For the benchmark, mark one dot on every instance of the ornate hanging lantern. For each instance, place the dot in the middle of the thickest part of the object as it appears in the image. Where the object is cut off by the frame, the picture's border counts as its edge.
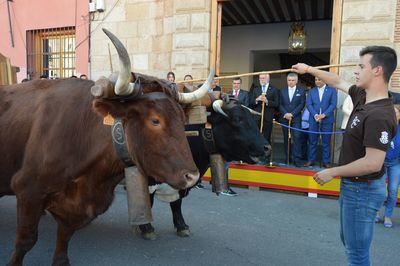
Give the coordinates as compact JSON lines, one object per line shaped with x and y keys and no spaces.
{"x":297,"y":39}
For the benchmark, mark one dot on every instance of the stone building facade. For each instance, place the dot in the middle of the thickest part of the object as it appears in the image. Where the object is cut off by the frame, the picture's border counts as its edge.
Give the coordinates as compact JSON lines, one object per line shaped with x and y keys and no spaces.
{"x":369,"y":22}
{"x":175,"y":35}
{"x":160,"y":36}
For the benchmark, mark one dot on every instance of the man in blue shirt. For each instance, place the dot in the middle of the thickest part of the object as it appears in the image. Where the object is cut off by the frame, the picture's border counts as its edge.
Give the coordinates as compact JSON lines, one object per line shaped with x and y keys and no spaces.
{"x":321,"y":103}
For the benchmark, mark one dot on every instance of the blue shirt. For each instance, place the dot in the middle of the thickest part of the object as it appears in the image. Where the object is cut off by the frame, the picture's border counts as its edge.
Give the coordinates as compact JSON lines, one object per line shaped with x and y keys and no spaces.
{"x":394,"y":150}
{"x":304,"y":119}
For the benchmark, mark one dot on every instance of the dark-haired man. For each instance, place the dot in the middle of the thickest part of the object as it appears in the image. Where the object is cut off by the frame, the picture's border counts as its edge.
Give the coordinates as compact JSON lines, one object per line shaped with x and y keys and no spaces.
{"x":370,"y":129}
{"x":241,"y":95}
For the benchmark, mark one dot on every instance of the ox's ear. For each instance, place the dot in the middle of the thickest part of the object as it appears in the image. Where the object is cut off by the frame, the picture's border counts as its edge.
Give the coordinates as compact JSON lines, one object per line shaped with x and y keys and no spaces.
{"x":114,"y":108}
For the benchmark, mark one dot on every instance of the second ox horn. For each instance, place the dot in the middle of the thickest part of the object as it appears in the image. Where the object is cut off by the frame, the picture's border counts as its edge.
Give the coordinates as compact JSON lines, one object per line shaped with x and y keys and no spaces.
{"x":189,"y":97}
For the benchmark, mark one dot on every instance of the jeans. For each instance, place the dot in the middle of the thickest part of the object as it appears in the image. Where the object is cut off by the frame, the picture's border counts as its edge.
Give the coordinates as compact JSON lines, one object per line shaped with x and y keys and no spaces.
{"x":393,"y":174}
{"x":359,"y":202}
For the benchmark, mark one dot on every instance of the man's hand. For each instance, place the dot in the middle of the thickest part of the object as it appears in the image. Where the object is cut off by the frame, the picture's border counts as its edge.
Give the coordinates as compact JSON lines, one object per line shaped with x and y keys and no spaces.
{"x":323,"y":176}
{"x":300,"y":68}
{"x":262,"y":98}
{"x":288,"y":116}
{"x":319,"y":118}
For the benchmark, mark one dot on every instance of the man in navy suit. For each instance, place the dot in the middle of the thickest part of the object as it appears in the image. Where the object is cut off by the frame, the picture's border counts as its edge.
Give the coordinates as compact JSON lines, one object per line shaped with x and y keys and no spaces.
{"x":291,"y":102}
{"x":241,"y":95}
{"x":321,"y":103}
{"x":268,"y":95}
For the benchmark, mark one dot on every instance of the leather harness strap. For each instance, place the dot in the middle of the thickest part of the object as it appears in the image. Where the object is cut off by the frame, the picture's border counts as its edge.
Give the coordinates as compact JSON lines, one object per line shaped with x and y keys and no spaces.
{"x":208,"y":139}
{"x":118,"y":139}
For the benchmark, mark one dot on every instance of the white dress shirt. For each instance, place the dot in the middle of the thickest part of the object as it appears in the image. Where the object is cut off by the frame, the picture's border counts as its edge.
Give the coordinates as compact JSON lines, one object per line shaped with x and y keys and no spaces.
{"x":264,"y":88}
{"x":291,"y":92}
{"x":321,"y":92}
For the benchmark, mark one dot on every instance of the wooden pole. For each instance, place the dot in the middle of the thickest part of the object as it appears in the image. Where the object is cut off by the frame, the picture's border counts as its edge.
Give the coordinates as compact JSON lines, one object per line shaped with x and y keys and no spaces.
{"x":10,"y":24}
{"x":262,"y":114}
{"x":288,"y":144}
{"x":269,"y":72}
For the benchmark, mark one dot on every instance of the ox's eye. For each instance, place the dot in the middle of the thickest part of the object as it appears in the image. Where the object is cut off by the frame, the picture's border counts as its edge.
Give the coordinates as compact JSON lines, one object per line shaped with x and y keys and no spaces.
{"x":155,"y":121}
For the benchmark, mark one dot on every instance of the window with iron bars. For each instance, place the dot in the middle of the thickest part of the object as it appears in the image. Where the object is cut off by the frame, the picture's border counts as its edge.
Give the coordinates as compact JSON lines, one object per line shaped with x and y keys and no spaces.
{"x":51,"y":52}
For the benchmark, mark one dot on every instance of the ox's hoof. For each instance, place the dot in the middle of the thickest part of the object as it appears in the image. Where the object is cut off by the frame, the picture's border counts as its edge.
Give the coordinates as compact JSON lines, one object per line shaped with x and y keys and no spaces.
{"x":183,"y":232}
{"x":146,"y":235}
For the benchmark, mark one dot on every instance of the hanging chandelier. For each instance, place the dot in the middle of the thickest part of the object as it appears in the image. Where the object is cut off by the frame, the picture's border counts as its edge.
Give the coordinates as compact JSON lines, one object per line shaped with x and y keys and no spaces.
{"x":297,"y":39}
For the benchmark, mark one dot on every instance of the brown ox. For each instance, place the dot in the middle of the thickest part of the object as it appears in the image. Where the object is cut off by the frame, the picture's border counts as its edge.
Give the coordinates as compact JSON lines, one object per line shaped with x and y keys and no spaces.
{"x":57,"y":155}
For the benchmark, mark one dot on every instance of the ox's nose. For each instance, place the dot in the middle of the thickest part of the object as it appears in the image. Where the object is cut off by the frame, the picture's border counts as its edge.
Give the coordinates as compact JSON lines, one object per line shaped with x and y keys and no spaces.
{"x":191,"y":178}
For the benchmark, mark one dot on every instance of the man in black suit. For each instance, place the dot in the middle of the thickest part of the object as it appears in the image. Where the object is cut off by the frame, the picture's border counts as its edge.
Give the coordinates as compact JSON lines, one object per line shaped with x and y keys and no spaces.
{"x":291,"y":102}
{"x":268,"y":95}
{"x":239,"y":94}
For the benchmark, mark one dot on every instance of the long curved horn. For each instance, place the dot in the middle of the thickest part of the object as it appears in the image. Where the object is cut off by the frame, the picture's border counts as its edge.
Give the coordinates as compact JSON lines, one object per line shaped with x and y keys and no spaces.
{"x":217,"y":106}
{"x":251,"y":110}
{"x":190,"y":97}
{"x":123,"y":85}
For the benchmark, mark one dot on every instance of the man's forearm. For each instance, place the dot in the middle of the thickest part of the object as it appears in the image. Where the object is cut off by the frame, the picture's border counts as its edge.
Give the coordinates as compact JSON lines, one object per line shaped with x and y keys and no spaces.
{"x":357,"y":168}
{"x":328,"y":77}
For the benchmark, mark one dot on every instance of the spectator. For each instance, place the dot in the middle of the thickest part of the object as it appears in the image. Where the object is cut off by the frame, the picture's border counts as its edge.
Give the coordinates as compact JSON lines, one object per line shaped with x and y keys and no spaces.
{"x":171,"y":76}
{"x":83,"y":76}
{"x":239,"y":94}
{"x":392,"y":165}
{"x":304,"y":136}
{"x":321,"y":103}
{"x":291,"y":103}
{"x":44,"y":76}
{"x":269,"y":96}
{"x":73,"y":77}
{"x":24,"y":80}
{"x":189,"y":84}
{"x":215,"y":85}
{"x":229,"y":191}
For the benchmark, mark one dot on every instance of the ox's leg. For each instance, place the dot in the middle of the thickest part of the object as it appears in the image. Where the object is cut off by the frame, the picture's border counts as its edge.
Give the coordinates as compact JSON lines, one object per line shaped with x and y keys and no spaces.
{"x":146,"y":231}
{"x":29,"y":212}
{"x":64,"y":234}
{"x":182,"y":229}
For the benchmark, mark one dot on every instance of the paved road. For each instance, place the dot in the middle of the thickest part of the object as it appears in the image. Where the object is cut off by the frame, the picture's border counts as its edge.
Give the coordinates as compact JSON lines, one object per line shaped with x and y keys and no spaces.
{"x":254,"y":228}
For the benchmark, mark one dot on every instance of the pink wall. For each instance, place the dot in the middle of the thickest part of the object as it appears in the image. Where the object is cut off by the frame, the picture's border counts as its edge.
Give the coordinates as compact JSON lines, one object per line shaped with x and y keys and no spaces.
{"x":43,"y":14}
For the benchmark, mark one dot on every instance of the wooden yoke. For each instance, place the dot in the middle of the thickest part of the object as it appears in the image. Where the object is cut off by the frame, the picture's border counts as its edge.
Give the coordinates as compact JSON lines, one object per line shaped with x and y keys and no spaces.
{"x":104,"y":87}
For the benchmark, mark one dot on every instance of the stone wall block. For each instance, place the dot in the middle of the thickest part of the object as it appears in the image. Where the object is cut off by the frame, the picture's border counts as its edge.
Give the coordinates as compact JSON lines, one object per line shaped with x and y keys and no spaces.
{"x":182,"y":23}
{"x":368,"y":32}
{"x":147,"y":27}
{"x":367,"y":10}
{"x":200,"y":22}
{"x":126,"y":29}
{"x":178,"y":59}
{"x":147,"y":10}
{"x":191,"y":5}
{"x":191,"y":40}
{"x":140,"y":62}
{"x":162,"y":44}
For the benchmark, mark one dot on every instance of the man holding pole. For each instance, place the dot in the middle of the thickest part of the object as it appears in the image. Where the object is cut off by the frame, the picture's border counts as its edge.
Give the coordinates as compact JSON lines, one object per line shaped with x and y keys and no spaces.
{"x":370,"y":129}
{"x":265,"y":101}
{"x":291,"y":102}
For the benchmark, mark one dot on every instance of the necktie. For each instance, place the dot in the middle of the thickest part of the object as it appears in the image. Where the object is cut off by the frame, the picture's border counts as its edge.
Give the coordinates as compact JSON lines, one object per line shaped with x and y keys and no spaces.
{"x":236,"y":93}
{"x":263,"y":88}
